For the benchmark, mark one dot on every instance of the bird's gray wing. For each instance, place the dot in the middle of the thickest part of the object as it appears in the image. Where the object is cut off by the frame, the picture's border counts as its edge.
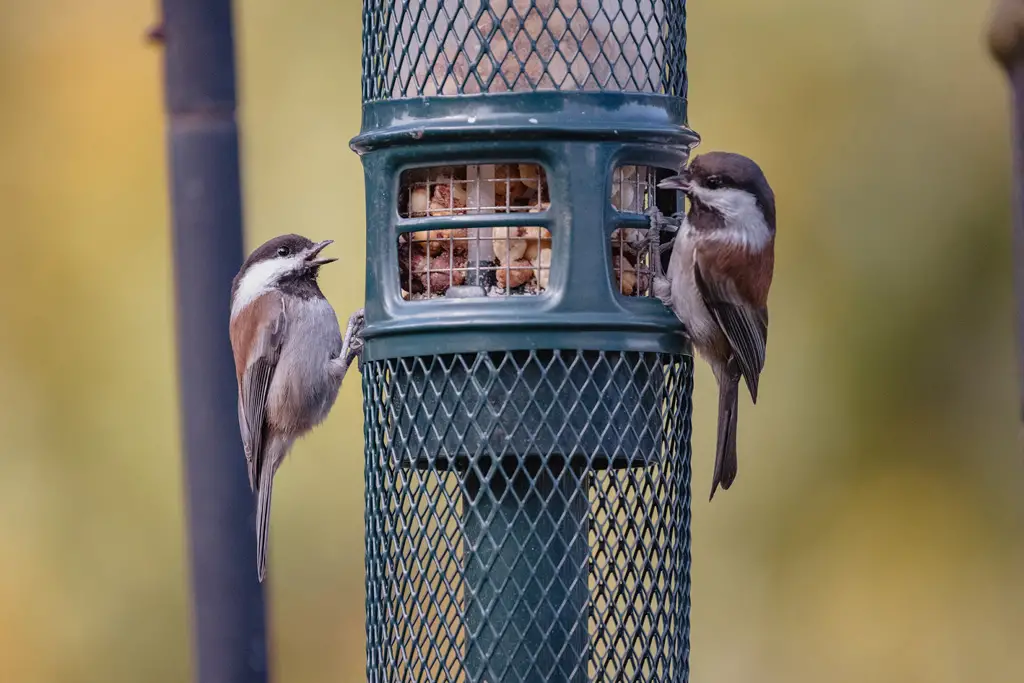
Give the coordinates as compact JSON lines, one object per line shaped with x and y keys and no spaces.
{"x":744,"y":326}
{"x":254,"y":385}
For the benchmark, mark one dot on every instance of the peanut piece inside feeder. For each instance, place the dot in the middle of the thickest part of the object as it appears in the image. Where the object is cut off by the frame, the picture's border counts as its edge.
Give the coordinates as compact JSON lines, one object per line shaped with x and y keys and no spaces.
{"x":507,"y":246}
{"x":630,"y":281}
{"x":411,"y":265}
{"x":529,"y":175}
{"x":633,"y":240}
{"x":626,"y":275}
{"x":624,"y":189}
{"x":444,"y":272}
{"x":449,"y":198}
{"x":517,"y":274}
{"x":543,"y":268}
{"x":454,"y":239}
{"x":536,"y":240}
{"x":427,"y":241}
{"x":419,"y":202}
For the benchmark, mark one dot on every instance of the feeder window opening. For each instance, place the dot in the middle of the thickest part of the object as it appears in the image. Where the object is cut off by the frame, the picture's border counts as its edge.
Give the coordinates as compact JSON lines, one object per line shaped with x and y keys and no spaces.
{"x":633,"y":249}
{"x":495,"y":261}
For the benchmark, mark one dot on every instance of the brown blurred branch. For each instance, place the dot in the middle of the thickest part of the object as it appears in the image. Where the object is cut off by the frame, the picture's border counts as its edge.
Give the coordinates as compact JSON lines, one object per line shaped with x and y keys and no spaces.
{"x":1006,"y":41}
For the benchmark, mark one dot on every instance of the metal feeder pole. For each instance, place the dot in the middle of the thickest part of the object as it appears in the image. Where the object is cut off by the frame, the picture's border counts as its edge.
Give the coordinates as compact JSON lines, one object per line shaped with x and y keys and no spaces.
{"x":227,"y":600}
{"x":526,"y":398}
{"x":1006,"y":41}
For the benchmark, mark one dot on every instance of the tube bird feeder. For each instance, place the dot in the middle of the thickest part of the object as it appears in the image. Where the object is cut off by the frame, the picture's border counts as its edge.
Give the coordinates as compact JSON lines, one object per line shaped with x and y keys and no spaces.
{"x":526,"y":398}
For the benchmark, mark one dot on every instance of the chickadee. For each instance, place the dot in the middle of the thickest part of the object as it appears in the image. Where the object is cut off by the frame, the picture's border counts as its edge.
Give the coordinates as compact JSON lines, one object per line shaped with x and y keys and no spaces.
{"x":290,"y":359}
{"x":718,"y":278}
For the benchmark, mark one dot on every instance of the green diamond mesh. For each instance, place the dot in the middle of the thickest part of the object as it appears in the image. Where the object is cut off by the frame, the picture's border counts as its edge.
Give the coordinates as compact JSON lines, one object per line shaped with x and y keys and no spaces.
{"x":421,"y":48}
{"x":527,"y":517}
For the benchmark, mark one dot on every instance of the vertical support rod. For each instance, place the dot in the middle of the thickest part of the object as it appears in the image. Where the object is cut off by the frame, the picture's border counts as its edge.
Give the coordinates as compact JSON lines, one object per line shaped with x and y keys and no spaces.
{"x":206,"y":206}
{"x":1006,"y":41}
{"x":527,"y":568}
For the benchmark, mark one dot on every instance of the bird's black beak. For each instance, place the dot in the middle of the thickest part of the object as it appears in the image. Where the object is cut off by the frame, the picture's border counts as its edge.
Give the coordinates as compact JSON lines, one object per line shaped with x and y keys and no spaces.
{"x":680,"y":182}
{"x":311,"y":257}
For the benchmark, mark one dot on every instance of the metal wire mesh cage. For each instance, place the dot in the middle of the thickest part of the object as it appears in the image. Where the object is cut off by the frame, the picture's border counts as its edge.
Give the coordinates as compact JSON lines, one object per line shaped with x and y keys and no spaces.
{"x":527,"y":517}
{"x":423,"y":48}
{"x":527,"y":399}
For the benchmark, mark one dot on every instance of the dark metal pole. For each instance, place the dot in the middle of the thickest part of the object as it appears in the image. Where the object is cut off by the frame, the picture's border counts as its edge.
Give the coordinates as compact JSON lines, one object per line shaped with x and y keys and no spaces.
{"x":227,"y":605}
{"x":526,"y":573}
{"x":1006,"y":40}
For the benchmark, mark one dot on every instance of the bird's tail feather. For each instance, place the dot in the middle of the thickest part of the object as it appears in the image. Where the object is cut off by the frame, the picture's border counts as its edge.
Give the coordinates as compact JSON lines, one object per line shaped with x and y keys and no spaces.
{"x":263,"y":518}
{"x":725,"y":453}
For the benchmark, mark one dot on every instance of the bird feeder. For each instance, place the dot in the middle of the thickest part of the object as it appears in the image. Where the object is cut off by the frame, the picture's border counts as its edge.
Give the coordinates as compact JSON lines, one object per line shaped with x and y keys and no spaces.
{"x":526,"y":398}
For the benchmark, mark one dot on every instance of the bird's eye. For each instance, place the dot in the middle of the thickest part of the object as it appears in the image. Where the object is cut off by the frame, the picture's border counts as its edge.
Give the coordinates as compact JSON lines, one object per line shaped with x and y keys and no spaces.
{"x":283,"y":251}
{"x":713,"y":182}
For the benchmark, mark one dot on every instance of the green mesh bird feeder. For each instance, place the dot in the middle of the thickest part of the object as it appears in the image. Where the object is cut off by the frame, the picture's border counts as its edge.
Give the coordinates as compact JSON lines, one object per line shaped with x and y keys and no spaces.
{"x":527,"y":399}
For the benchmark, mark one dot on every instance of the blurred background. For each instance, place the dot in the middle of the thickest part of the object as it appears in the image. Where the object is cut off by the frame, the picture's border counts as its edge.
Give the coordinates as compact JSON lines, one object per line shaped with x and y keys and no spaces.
{"x":875,"y":532}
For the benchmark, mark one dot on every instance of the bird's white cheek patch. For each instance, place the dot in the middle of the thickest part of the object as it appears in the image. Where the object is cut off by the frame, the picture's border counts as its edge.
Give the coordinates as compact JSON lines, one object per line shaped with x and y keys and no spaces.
{"x":745,"y":223}
{"x":260,"y":279}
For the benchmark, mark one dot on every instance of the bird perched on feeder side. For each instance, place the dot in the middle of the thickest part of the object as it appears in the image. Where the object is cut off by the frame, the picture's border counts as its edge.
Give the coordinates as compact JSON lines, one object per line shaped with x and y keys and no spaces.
{"x":290,"y":359}
{"x":718,"y":278}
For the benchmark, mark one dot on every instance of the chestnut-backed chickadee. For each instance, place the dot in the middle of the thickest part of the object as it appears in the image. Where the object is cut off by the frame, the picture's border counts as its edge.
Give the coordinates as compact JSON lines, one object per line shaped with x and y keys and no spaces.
{"x":290,"y":359}
{"x":718,"y":278}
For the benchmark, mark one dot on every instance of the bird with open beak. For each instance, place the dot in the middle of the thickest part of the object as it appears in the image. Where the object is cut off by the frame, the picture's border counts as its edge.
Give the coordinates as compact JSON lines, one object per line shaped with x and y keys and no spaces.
{"x":290,"y":359}
{"x":718,"y":278}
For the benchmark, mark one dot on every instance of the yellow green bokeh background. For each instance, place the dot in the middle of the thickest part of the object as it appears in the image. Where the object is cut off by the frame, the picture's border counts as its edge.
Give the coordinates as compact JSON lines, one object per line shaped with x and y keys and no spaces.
{"x":875,"y":531}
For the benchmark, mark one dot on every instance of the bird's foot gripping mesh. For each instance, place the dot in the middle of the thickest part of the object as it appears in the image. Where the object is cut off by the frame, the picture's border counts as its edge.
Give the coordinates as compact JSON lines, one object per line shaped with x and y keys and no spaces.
{"x":527,"y":517}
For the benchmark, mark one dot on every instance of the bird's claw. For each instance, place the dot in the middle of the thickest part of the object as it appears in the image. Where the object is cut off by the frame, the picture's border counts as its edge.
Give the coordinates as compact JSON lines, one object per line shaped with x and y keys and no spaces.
{"x":353,"y":343}
{"x":355,"y":351}
{"x":356,"y":323}
{"x":662,"y":289}
{"x":654,"y":246}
